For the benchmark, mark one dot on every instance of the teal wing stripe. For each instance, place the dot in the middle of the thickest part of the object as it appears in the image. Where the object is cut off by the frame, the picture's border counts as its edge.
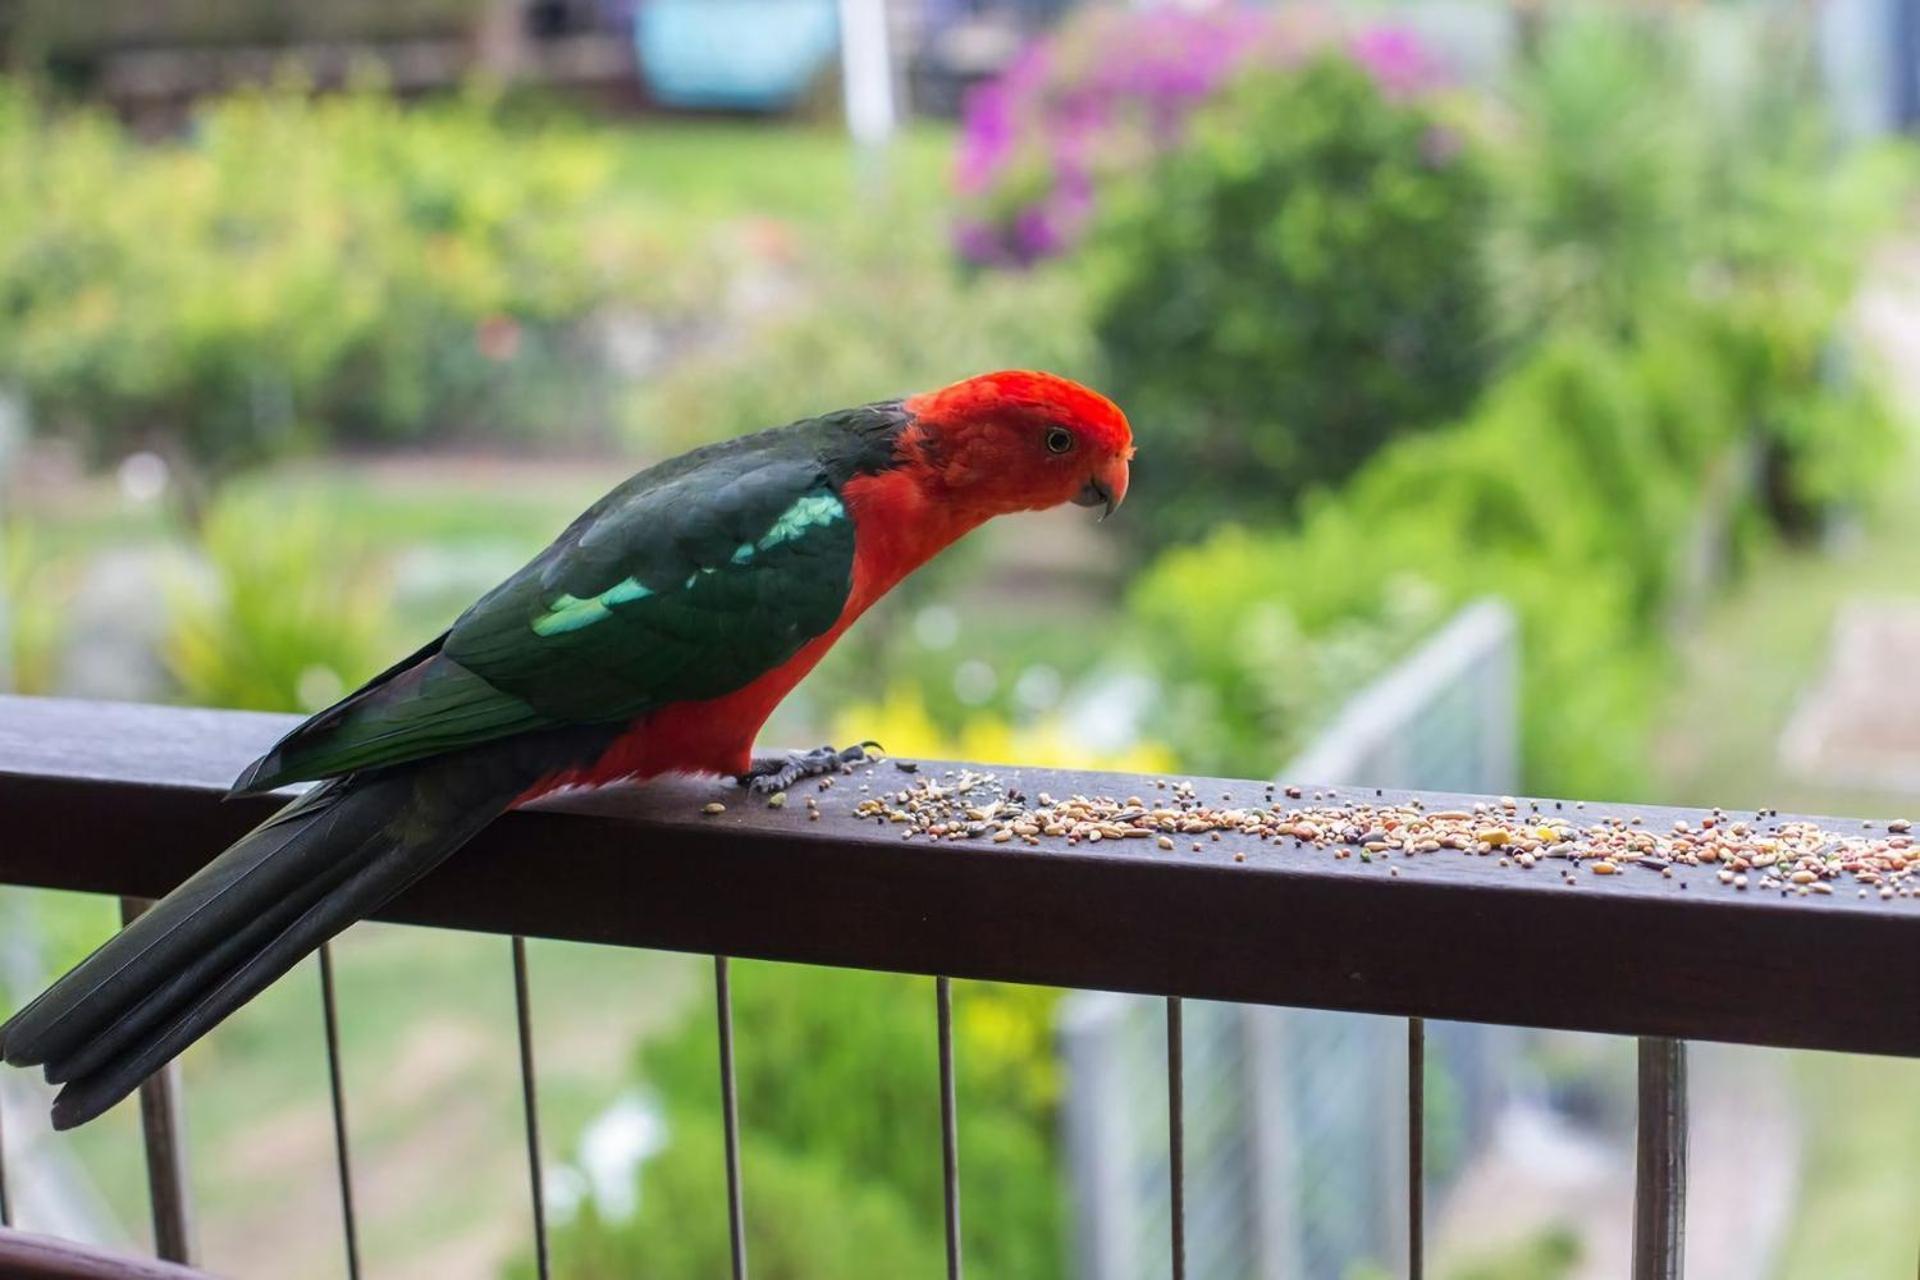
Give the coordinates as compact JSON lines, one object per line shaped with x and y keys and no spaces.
{"x":808,"y":512}
{"x":570,"y":612}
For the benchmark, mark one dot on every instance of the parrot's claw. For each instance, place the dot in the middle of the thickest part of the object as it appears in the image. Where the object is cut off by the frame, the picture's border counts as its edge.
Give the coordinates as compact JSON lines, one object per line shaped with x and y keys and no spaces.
{"x":777,"y":773}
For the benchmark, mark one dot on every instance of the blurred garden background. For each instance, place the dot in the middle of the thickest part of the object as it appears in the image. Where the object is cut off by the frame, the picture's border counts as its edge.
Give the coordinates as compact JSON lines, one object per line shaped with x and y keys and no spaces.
{"x":315,"y":321}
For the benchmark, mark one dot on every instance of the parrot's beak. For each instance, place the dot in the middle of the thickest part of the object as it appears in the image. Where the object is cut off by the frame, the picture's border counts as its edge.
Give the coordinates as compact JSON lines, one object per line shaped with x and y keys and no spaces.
{"x":1106,"y":487}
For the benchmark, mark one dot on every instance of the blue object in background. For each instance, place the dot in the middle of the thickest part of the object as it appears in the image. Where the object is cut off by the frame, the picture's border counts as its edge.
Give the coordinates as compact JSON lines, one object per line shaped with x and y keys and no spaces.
{"x":742,"y":55}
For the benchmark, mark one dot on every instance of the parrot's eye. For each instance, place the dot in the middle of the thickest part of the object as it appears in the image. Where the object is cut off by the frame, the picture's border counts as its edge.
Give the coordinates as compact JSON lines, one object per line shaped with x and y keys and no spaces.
{"x":1059,"y":439}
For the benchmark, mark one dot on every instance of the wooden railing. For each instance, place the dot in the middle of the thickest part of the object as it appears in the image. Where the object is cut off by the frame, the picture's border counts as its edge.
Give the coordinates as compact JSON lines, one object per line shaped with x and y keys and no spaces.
{"x":126,"y":800}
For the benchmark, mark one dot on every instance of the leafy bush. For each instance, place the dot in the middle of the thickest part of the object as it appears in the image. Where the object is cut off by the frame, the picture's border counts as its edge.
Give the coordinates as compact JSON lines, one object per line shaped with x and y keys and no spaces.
{"x":804,"y":1221}
{"x":1106,"y":93}
{"x":1674,"y":269}
{"x":1712,"y":215}
{"x":878,"y":309}
{"x":833,"y":1192}
{"x":1298,"y":283}
{"x":300,"y":270}
{"x":35,"y":589}
{"x":1571,"y":493}
{"x":291,"y":620}
{"x":1603,"y":174}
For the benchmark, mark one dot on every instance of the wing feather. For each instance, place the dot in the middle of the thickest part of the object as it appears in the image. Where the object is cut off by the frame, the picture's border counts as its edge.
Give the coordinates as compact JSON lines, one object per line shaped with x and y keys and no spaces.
{"x":683,"y":584}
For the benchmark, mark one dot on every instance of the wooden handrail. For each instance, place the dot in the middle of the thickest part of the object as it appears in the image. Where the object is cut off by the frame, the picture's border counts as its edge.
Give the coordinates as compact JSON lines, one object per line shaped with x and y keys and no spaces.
{"x":126,"y":799}
{"x":25,"y":1256}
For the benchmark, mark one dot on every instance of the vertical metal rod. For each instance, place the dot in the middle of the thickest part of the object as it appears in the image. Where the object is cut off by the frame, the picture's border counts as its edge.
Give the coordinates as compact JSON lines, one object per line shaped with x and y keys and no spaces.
{"x":1177,"y":1136}
{"x":730,"y":1114}
{"x":1416,"y":1147}
{"x":165,"y":1134}
{"x":6,"y":1208}
{"x":530,"y":1105}
{"x":1660,"y":1166}
{"x":343,"y":1158}
{"x":949,"y":1123}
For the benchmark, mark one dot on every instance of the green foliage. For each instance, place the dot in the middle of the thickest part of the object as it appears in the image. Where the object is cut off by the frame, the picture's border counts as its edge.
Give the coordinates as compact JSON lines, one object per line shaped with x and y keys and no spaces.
{"x":1258,"y":649}
{"x":35,"y":590}
{"x":1296,"y":285}
{"x":838,"y":1066}
{"x":301,"y":270}
{"x":1551,"y":1254}
{"x":290,"y":621}
{"x":1572,"y":493}
{"x":805,"y":1221}
{"x":1644,"y":188}
{"x":1676,"y":263}
{"x":886,"y":313}
{"x":1601,"y":179}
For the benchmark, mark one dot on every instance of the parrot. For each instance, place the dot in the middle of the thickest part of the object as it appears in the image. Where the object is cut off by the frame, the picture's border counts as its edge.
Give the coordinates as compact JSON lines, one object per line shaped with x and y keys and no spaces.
{"x":654,"y":636}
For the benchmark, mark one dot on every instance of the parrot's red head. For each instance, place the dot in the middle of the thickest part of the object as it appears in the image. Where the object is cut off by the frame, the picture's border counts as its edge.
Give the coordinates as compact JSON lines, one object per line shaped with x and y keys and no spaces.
{"x":1020,"y":441}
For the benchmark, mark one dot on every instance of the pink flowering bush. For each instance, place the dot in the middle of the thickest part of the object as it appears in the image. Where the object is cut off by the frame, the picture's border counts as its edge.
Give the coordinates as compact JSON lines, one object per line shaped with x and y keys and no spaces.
{"x":1111,"y":91}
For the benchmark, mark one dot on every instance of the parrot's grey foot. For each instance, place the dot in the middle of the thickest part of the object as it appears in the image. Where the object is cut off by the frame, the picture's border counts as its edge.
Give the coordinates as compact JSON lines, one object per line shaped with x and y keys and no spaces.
{"x":777,"y":773}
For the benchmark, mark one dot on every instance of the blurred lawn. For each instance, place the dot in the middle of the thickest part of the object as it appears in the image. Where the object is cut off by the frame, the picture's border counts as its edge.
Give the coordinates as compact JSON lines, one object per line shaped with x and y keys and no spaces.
{"x":724,"y":169}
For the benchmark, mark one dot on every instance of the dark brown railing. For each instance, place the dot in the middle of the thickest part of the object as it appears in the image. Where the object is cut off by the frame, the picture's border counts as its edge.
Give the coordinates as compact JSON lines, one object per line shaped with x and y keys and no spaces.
{"x":126,"y":800}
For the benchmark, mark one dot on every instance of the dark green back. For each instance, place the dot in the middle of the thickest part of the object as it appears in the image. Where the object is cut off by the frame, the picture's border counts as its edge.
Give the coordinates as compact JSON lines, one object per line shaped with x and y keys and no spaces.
{"x":688,"y":581}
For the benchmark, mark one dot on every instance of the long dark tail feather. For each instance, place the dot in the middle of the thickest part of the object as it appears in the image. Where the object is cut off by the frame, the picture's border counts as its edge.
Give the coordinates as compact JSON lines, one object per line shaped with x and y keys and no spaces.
{"x":299,"y":878}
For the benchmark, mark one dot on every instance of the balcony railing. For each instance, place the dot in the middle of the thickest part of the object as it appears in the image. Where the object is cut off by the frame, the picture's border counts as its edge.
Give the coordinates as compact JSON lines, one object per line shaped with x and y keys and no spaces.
{"x":126,"y":800}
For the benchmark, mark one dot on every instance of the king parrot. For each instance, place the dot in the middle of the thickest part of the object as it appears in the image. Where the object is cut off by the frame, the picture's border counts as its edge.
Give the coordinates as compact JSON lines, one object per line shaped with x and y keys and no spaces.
{"x":655,"y":635}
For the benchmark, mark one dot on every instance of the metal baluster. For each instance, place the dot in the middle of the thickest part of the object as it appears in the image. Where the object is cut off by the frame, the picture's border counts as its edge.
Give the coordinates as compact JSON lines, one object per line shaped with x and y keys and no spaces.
{"x":1177,"y":1136}
{"x":730,"y":1113}
{"x":530,"y":1105}
{"x":949,"y":1123}
{"x":343,"y":1160}
{"x":164,"y":1133}
{"x":1416,"y":1147}
{"x":1660,"y":1167}
{"x":6,"y":1209}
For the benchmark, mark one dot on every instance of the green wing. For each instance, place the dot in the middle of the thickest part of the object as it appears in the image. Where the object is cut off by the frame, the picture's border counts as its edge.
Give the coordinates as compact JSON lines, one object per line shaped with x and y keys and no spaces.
{"x":686,"y":583}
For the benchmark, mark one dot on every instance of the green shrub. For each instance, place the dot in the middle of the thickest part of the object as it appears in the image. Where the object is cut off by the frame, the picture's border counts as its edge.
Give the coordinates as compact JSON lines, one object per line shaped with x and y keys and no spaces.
{"x":1561,"y":495}
{"x":805,"y":1221}
{"x":1602,"y":175}
{"x":303,"y":270}
{"x":887,"y":313}
{"x":35,"y":590}
{"x":1710,"y":217}
{"x":291,"y":620}
{"x":836,"y":1074}
{"x":1297,"y":284}
{"x":1676,"y":267}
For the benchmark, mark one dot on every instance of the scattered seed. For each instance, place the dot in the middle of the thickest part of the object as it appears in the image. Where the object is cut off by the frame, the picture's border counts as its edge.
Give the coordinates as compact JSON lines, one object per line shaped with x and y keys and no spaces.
{"x":713,"y":808}
{"x":1790,"y":856}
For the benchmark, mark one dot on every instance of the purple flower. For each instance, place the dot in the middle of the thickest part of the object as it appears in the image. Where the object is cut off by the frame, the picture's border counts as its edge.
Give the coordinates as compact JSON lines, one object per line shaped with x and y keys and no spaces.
{"x":1109,"y":91}
{"x":1396,"y":60}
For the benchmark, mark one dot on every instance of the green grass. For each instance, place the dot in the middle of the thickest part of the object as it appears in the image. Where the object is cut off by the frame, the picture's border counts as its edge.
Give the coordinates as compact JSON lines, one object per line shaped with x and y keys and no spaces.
{"x":711,"y":170}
